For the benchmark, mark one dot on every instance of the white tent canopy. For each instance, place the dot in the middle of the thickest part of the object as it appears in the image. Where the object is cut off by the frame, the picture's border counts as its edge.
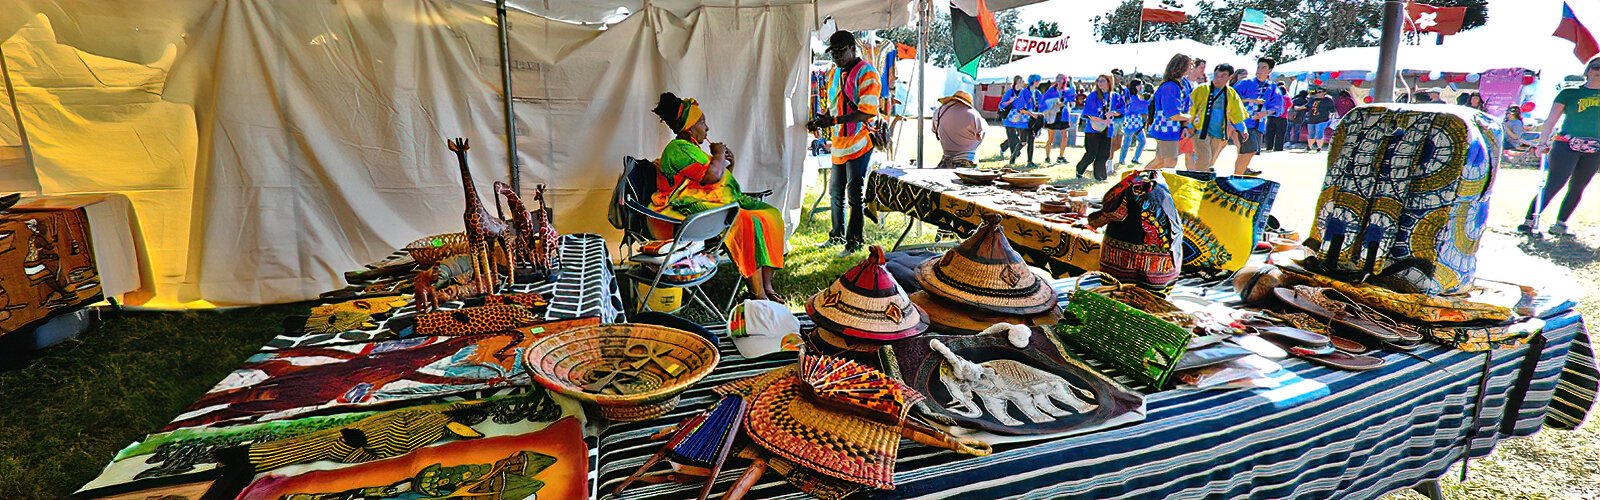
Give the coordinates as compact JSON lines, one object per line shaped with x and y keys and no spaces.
{"x":1085,"y":60}
{"x":268,"y":146}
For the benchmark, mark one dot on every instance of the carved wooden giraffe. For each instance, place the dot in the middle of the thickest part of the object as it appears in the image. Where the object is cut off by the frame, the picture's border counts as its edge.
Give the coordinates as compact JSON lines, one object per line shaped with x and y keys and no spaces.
{"x":526,"y":233}
{"x":483,"y":229}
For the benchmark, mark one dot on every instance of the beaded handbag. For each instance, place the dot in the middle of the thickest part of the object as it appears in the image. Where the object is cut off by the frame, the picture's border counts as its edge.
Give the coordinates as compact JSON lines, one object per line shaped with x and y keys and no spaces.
{"x":1135,"y":343}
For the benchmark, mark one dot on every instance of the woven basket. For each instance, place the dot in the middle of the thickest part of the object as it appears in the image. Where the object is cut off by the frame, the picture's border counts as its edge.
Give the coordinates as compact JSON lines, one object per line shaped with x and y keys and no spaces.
{"x":432,"y":249}
{"x":1135,"y":343}
{"x":656,"y":364}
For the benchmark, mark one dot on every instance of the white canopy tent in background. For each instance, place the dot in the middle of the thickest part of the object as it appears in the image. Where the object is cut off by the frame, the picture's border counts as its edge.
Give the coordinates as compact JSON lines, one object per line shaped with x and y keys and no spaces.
{"x":1086,"y":60}
{"x":268,"y":146}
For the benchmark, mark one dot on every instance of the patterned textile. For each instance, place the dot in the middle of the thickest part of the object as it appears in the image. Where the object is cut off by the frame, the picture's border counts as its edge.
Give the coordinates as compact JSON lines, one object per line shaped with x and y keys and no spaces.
{"x":586,"y":289}
{"x":1409,"y":184}
{"x":1143,"y":241}
{"x":1412,"y":306}
{"x":274,"y":385}
{"x":938,"y":198}
{"x":857,"y":89}
{"x":1375,"y":432}
{"x":756,"y":238}
{"x":189,"y":454}
{"x":549,"y":463}
{"x":1222,"y":216}
{"x":47,"y":267}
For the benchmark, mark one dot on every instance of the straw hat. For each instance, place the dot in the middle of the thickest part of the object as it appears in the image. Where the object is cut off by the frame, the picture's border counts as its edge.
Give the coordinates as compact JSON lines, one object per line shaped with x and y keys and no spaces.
{"x":866,"y":303}
{"x":960,"y":96}
{"x":948,"y":317}
{"x":985,"y":272}
{"x":816,"y":416}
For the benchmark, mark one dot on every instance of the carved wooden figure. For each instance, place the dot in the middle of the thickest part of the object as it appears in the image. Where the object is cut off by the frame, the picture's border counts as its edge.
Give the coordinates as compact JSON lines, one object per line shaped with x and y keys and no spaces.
{"x":483,"y":229}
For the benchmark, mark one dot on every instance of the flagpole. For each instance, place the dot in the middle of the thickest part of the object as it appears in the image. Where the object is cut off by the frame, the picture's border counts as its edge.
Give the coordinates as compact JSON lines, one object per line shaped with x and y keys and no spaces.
{"x":1394,"y":13}
{"x":1139,"y":38}
{"x":922,"y":78}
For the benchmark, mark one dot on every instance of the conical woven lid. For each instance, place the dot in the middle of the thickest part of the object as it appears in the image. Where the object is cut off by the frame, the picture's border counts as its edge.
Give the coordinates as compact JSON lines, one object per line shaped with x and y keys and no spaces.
{"x":867,"y":303}
{"x":985,"y":272}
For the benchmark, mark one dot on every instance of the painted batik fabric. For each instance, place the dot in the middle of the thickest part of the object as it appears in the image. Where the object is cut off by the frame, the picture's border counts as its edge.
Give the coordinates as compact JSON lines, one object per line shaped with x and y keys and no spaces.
{"x":192,"y":454}
{"x":548,"y":463}
{"x":47,"y":267}
{"x":275,"y":385}
{"x":1223,"y":217}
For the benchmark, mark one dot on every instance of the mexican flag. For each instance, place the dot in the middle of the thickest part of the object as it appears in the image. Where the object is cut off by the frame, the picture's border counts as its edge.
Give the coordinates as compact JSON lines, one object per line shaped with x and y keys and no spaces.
{"x":972,"y":26}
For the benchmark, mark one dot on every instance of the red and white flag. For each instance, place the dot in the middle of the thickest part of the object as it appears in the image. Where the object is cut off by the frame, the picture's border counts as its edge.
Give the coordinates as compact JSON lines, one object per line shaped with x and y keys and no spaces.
{"x":1430,"y":19}
{"x":1162,"y":11}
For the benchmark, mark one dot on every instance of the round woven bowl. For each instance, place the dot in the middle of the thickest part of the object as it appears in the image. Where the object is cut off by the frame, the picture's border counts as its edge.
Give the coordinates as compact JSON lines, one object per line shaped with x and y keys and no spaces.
{"x":432,"y":249}
{"x":1025,"y":181}
{"x":568,"y":361}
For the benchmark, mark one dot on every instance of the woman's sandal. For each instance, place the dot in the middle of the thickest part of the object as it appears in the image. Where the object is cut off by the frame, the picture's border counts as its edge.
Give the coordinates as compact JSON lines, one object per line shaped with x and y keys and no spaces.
{"x":1325,"y":303}
{"x":1334,"y":358}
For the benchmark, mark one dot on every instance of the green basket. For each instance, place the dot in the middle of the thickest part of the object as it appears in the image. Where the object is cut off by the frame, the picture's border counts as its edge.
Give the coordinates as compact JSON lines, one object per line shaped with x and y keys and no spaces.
{"x":1137,"y":344}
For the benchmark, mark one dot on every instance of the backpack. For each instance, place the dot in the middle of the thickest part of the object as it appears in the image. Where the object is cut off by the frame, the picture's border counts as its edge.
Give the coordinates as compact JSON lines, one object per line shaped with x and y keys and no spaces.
{"x":1406,"y":198}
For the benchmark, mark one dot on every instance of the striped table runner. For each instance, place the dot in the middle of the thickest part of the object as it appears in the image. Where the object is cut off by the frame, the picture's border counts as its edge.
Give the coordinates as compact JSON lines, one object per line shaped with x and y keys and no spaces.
{"x":1374,"y":432}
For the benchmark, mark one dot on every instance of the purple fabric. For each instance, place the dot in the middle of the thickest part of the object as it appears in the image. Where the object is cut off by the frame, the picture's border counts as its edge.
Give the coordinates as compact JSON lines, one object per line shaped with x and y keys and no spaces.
{"x":1501,"y":89}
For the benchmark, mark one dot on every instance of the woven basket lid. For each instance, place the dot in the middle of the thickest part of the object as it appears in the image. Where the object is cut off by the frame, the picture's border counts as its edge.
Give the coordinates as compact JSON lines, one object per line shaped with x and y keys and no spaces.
{"x":867,"y":303}
{"x":985,"y":272}
{"x":949,"y":317}
{"x":802,"y":418}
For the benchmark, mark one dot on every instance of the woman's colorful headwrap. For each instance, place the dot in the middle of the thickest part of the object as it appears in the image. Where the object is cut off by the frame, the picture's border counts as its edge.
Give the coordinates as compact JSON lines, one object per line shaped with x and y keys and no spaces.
{"x":688,"y":114}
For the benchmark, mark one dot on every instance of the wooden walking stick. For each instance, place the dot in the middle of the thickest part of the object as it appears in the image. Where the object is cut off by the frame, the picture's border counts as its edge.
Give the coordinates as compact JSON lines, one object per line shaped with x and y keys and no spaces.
{"x":684,"y":430}
{"x":748,"y":480}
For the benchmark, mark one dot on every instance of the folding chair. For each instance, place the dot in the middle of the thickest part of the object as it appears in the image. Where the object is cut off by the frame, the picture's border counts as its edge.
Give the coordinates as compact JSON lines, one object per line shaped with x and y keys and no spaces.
{"x":705,"y":228}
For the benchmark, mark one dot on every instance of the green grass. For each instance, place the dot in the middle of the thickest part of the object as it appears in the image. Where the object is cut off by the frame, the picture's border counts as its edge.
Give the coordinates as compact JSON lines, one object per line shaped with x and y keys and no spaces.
{"x":65,"y":414}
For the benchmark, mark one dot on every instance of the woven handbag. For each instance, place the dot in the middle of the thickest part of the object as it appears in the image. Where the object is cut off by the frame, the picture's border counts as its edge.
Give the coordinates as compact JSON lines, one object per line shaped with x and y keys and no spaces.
{"x":1140,"y":298}
{"x":1135,"y":343}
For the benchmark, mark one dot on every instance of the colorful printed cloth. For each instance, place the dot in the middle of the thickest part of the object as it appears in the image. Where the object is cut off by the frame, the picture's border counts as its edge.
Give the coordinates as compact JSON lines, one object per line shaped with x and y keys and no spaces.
{"x":756,"y":238}
{"x":1144,"y":234}
{"x":46,"y":267}
{"x":274,"y":385}
{"x":1222,"y":216}
{"x":548,"y":463}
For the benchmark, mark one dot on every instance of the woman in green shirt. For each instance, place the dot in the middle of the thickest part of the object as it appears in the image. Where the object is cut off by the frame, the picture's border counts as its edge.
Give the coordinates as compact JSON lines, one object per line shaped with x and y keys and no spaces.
{"x":1574,"y":157}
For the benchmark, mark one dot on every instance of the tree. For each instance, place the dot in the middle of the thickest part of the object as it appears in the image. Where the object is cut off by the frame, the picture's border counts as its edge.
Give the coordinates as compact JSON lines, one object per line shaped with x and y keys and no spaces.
{"x":1043,"y":29}
{"x":1312,"y":26}
{"x":941,"y":46}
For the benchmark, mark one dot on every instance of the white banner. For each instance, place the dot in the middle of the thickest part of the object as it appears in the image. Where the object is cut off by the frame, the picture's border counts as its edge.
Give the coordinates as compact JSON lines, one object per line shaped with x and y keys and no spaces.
{"x":1027,"y":45}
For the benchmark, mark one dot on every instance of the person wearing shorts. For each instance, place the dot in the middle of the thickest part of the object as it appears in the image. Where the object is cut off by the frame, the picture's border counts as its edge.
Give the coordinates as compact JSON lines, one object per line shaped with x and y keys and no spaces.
{"x":1261,"y":101}
{"x":1319,"y":111}
{"x":1171,"y":116}
{"x":1218,"y":117}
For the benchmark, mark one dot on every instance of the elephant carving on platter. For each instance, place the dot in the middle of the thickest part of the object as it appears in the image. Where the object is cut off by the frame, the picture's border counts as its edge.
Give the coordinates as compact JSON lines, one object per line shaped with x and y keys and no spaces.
{"x":1003,"y":383}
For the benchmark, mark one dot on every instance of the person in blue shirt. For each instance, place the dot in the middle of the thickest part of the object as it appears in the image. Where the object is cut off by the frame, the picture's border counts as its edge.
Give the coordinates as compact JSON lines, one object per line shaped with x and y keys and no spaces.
{"x":1097,"y":129}
{"x":1170,"y":107}
{"x":1020,"y":104}
{"x":1135,"y":111}
{"x":1058,"y":117}
{"x":1119,"y":99}
{"x":1261,"y":101}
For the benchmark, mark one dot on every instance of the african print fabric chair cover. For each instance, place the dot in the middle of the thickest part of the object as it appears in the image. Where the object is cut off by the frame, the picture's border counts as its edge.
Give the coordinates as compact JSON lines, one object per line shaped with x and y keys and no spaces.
{"x":1143,"y":235}
{"x":986,"y":273}
{"x":1032,"y":392}
{"x":1406,"y":198}
{"x":1223,"y":217}
{"x":866,"y":303}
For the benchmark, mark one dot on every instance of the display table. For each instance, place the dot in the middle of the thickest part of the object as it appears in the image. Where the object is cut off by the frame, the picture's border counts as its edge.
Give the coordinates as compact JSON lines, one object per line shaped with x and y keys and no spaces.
{"x":119,"y":252}
{"x":937,"y":197}
{"x":1337,"y":434}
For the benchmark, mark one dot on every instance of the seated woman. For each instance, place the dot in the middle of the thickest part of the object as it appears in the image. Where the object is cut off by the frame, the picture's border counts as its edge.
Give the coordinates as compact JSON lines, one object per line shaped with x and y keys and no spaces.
{"x":692,"y":181}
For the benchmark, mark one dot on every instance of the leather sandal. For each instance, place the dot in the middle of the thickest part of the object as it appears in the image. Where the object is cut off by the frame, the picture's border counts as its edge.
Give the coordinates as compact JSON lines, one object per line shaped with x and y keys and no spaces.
{"x":1340,"y":343}
{"x":1350,"y":346}
{"x":1334,"y":358}
{"x":1290,"y":337}
{"x":1325,"y":303}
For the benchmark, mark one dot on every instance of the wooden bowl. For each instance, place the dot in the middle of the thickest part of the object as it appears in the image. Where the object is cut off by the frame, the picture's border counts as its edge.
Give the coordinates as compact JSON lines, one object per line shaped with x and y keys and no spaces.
{"x":975,"y":176}
{"x":652,"y":365}
{"x":1054,"y":207}
{"x":430,"y":250}
{"x":1025,"y":180}
{"x":1077,"y":193}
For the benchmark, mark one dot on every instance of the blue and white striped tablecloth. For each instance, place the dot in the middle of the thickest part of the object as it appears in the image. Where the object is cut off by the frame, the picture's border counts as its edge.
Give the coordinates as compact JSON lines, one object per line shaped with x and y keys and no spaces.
{"x":1373,"y":432}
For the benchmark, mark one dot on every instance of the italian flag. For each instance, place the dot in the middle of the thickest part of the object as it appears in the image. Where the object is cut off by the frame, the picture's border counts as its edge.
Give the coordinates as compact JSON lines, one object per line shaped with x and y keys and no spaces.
{"x":974,"y":32}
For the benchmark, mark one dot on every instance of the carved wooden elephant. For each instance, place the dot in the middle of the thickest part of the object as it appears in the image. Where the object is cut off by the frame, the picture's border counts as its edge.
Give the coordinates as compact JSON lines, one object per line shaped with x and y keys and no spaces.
{"x":1006,"y":382}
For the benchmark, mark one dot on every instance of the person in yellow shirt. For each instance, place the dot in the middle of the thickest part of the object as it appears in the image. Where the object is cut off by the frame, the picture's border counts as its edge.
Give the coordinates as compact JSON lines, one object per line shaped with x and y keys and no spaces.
{"x":856,"y":85}
{"x":1218,"y":117}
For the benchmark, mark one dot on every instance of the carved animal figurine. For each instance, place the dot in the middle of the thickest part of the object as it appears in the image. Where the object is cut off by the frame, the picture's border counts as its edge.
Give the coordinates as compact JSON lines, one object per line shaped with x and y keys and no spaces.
{"x":526,"y":235}
{"x":1001,"y":383}
{"x":483,"y":229}
{"x":451,"y":279}
{"x":536,"y":239}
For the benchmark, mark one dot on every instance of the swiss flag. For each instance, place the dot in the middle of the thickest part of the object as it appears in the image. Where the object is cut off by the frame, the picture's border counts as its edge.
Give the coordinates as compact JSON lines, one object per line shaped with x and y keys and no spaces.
{"x":1430,"y":19}
{"x":1158,"y":11}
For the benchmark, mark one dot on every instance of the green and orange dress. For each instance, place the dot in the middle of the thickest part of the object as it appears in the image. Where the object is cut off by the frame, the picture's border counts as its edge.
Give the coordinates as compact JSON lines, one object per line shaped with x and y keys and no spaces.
{"x":756,"y":238}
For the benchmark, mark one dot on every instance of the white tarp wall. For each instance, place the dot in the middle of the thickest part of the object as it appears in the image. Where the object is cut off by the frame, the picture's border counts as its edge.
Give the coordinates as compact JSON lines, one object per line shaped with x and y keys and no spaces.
{"x":269,"y":146}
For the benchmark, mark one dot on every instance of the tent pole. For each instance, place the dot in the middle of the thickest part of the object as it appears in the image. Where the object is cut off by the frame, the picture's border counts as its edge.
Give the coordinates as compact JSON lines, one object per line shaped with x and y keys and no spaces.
{"x":922,"y":76}
{"x":22,"y":131}
{"x":1394,"y":13}
{"x":505,"y":86}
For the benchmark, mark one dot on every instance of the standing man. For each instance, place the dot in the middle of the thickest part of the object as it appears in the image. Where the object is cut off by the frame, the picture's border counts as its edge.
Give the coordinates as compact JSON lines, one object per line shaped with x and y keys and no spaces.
{"x":1319,"y":111}
{"x":859,"y":92}
{"x":959,"y":129}
{"x":1262,"y":101}
{"x":1278,"y":124}
{"x":1218,"y":117}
